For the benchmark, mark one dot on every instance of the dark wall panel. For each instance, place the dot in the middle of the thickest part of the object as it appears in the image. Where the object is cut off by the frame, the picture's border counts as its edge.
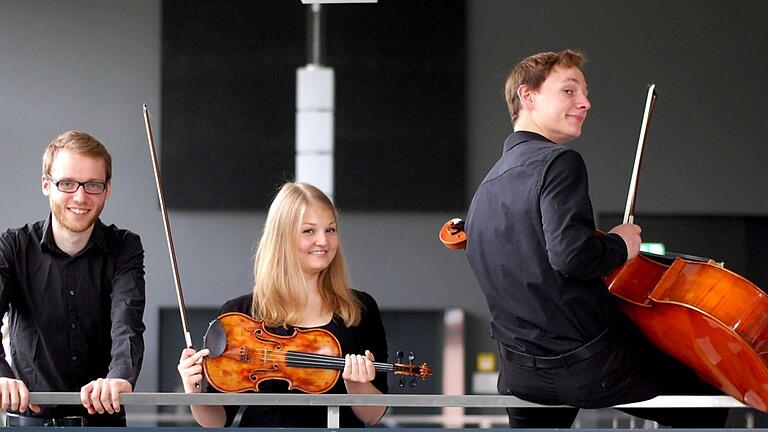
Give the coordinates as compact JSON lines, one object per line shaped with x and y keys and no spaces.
{"x":228,"y":92}
{"x":228,"y":100}
{"x":400,"y":88}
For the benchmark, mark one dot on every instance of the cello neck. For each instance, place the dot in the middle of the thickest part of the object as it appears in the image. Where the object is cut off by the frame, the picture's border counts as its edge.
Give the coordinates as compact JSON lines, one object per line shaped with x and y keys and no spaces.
{"x":650,"y":103}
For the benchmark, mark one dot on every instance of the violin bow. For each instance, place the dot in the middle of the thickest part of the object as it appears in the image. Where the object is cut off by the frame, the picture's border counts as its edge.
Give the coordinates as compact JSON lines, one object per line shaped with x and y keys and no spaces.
{"x":167,"y":227}
{"x":650,"y":103}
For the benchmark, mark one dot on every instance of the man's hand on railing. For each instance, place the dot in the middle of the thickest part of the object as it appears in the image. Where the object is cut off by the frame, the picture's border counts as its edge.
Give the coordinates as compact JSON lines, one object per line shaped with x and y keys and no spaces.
{"x":15,"y":396}
{"x":103,"y":395}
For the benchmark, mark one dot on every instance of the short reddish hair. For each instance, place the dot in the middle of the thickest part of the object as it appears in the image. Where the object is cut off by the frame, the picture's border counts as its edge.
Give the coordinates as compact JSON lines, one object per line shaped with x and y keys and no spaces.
{"x":80,"y":143}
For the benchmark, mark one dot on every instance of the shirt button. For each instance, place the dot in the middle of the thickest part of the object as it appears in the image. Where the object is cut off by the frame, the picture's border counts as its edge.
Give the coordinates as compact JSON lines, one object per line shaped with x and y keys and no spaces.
{"x":73,"y":325}
{"x":72,"y":292}
{"x":74,"y":357}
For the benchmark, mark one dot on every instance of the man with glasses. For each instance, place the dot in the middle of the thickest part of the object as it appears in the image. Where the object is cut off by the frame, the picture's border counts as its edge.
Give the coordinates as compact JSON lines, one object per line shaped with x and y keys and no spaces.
{"x":74,"y":290}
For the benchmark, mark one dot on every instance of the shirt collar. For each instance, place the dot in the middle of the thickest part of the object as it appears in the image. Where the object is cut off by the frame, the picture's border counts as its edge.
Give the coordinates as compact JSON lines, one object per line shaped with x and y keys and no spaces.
{"x":520,"y":137}
{"x":97,"y":238}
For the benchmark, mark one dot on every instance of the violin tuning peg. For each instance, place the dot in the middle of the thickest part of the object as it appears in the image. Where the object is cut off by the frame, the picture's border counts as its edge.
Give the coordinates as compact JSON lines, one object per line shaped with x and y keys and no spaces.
{"x":399,"y":355}
{"x":401,"y":382}
{"x":413,"y":382}
{"x":411,"y":356}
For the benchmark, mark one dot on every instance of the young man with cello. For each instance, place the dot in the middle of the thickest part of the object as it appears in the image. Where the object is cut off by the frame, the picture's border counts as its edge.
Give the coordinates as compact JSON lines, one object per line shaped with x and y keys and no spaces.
{"x":74,"y":290}
{"x":532,"y":244}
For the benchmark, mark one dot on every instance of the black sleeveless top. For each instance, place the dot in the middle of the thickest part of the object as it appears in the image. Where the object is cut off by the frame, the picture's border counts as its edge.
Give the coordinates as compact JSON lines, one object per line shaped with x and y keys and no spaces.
{"x":368,"y":335}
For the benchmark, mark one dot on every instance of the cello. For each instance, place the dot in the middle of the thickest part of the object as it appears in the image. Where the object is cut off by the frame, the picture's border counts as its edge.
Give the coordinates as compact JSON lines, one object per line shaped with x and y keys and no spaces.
{"x":243,"y":353}
{"x":711,"y":319}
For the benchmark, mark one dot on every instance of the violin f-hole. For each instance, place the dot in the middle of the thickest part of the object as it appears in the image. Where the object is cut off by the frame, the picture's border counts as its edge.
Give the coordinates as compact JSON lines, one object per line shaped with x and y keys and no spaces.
{"x":259,"y":333}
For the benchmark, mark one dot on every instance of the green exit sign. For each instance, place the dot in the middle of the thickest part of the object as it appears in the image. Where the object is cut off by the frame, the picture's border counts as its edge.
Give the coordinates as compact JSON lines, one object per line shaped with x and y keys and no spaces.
{"x":654,"y":248}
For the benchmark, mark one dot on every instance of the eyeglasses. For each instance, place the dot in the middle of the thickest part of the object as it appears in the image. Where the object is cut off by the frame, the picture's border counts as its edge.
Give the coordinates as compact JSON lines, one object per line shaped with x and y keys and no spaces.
{"x":71,"y":186}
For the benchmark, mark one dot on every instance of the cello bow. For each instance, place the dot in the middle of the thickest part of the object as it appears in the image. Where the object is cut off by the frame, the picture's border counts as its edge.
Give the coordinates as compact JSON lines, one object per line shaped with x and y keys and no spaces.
{"x":650,"y":104}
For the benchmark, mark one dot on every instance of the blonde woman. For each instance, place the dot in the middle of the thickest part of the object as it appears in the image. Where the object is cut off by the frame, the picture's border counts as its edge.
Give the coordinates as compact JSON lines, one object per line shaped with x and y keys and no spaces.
{"x":301,"y":281}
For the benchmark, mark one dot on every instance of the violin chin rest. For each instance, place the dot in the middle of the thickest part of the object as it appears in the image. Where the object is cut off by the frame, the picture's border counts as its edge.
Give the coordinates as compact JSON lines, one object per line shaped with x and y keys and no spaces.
{"x":215,"y":339}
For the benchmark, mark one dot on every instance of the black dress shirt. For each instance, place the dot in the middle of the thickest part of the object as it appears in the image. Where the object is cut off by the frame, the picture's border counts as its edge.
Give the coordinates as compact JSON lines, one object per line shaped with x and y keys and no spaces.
{"x":534,"y":251}
{"x":368,"y":335}
{"x":72,"y":319}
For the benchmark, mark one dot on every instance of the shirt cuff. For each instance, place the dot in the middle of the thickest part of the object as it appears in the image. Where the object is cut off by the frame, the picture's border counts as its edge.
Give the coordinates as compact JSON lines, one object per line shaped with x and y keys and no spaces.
{"x":129,"y":374}
{"x":6,"y":371}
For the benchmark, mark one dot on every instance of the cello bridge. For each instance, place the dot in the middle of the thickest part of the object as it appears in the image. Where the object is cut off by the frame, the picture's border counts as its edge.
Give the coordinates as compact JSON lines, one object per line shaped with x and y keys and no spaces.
{"x":720,"y":264}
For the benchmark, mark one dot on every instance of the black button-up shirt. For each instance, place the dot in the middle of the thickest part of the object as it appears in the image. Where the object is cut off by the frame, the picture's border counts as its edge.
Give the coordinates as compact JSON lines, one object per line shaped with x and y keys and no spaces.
{"x":534,"y":251}
{"x":72,"y":319}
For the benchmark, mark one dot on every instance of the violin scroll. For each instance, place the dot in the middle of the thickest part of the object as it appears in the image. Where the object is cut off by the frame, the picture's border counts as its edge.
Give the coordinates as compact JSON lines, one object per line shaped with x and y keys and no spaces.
{"x":422,"y":371}
{"x":452,"y":234}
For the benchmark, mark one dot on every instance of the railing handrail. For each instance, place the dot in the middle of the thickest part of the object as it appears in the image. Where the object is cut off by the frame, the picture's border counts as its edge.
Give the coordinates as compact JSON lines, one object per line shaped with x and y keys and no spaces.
{"x":391,"y":400}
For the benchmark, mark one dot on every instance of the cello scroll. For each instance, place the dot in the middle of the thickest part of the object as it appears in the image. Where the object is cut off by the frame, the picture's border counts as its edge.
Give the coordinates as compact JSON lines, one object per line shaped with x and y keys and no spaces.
{"x":452,"y":234}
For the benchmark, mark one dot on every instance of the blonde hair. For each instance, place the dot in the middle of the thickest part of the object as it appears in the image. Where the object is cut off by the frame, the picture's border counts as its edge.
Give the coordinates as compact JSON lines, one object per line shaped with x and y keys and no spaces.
{"x":533,"y":70}
{"x":279,"y":292}
{"x":80,"y":143}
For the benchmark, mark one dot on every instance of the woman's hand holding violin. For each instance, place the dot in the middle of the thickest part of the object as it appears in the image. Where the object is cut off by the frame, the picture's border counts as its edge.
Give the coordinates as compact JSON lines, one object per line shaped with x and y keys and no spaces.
{"x":359,"y":368}
{"x":358,"y":373}
{"x":191,"y":372}
{"x":191,"y":369}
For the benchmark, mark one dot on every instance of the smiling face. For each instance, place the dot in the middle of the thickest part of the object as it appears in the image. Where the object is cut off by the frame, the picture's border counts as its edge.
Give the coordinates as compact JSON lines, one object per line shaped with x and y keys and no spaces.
{"x":77,"y":211}
{"x":318,"y":239}
{"x":558,"y":108}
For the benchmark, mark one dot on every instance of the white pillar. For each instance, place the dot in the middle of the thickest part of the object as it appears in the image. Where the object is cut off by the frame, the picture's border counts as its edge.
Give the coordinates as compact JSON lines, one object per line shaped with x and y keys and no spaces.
{"x":314,"y":127}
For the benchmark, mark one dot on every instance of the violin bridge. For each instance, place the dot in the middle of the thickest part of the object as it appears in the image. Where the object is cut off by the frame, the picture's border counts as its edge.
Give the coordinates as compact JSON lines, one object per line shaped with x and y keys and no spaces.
{"x":244,"y":356}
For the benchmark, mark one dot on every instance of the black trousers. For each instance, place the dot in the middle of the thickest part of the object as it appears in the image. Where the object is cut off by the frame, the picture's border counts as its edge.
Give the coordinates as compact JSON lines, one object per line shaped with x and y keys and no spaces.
{"x":629,"y":369}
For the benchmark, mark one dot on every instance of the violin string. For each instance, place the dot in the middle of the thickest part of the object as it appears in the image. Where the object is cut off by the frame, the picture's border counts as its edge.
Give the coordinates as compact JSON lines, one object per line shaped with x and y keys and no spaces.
{"x":295,"y":358}
{"x":306,"y":356}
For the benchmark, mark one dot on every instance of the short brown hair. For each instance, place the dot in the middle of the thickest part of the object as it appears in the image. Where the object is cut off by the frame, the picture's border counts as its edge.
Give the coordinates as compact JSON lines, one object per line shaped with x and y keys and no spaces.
{"x":533,"y":70}
{"x":80,"y":143}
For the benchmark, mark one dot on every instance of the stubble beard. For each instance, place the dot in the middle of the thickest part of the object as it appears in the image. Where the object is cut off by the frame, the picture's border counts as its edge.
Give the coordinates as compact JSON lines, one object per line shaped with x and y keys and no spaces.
{"x":60,"y":212}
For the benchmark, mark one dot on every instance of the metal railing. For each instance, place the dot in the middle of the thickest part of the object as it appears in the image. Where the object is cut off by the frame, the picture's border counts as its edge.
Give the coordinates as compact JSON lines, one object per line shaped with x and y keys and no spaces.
{"x":333,"y":402}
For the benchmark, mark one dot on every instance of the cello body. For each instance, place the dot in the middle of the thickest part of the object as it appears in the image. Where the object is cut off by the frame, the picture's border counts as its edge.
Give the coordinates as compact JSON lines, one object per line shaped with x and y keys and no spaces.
{"x":709,"y":318}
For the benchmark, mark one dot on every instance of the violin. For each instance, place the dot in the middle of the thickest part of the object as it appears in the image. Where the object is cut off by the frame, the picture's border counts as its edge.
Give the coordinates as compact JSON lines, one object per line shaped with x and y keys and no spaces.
{"x":243,"y":353}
